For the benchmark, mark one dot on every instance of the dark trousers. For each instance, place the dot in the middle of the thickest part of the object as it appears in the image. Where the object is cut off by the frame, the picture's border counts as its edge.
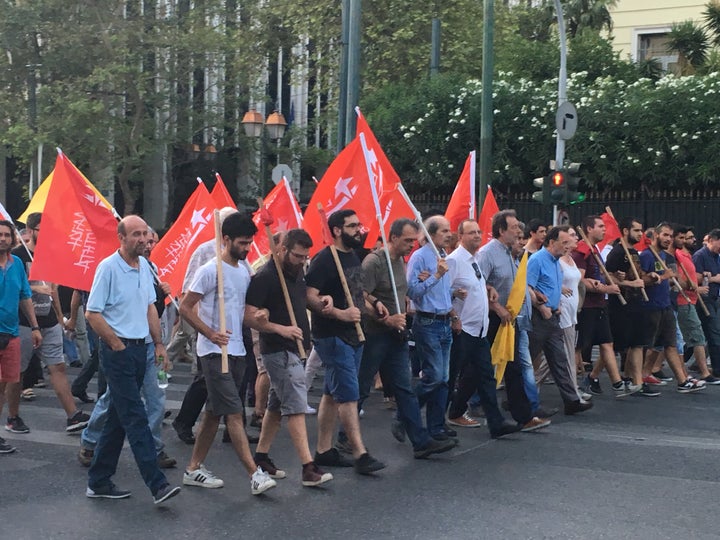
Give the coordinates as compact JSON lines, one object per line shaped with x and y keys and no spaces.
{"x":81,"y":382}
{"x":125,"y":372}
{"x":520,"y":408}
{"x":386,"y":353}
{"x":711,"y":328}
{"x":476,"y":374}
{"x":547,"y":336}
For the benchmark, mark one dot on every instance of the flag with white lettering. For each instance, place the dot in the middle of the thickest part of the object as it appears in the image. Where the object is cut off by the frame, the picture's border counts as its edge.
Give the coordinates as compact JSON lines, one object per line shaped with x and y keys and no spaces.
{"x":194,"y":226}
{"x":77,"y":232}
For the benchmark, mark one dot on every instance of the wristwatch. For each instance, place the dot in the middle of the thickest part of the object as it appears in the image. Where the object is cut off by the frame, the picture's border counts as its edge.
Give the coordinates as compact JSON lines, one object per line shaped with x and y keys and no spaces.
{"x":454,"y":318}
{"x":33,"y":328}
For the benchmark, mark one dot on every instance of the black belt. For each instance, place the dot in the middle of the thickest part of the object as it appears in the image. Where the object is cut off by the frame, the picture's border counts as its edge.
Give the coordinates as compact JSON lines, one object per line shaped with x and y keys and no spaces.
{"x":128,"y":341}
{"x":435,"y":316}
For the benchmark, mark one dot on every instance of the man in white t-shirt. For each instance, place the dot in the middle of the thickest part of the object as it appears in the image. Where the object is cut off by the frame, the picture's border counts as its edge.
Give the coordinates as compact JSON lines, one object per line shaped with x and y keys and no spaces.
{"x":223,"y":388}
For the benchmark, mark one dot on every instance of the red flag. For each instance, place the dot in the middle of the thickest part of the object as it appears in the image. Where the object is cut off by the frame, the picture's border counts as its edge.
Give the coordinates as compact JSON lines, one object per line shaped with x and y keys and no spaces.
{"x":280,"y":207}
{"x":395,"y":207}
{"x":489,"y":209}
{"x":221,"y":195}
{"x":462,"y":202}
{"x":327,"y":236}
{"x":78,"y":231}
{"x":612,"y":231}
{"x":385,"y":176}
{"x":194,"y":225}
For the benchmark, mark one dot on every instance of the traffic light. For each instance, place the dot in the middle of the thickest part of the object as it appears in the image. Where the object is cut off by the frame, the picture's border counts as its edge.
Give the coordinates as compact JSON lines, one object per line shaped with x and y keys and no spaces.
{"x":572,"y":181}
{"x":542,"y":196}
{"x":556,"y":182}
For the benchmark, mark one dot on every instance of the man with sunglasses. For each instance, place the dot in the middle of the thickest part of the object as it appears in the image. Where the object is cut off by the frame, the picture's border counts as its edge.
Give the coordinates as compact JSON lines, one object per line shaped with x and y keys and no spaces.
{"x":472,"y":306}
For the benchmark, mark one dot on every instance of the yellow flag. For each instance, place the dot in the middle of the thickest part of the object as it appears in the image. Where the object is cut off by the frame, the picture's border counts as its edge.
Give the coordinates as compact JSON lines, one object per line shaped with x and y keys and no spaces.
{"x":503,"y":348}
{"x":37,"y":203}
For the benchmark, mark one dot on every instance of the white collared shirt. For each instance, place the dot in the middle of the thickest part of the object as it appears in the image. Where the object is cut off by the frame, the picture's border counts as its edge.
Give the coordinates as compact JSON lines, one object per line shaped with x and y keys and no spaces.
{"x":474,"y":310}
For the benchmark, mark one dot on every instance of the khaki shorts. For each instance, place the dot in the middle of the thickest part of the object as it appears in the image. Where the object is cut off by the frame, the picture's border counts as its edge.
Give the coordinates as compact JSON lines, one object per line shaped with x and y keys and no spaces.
{"x":288,"y":393}
{"x":50,"y":350}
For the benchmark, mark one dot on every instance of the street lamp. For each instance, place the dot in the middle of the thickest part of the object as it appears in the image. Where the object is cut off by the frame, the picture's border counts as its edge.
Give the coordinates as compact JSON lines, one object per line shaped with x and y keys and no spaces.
{"x":275,"y":126}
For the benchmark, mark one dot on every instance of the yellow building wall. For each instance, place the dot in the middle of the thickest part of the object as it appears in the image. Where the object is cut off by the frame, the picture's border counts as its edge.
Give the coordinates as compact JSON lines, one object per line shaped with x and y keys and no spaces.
{"x":632,"y":15}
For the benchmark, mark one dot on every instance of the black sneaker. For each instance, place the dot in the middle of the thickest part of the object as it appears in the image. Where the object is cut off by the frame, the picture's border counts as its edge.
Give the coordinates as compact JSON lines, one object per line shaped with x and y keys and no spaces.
{"x":85,"y":456}
{"x":184,"y":432}
{"x":689,"y":386}
{"x":506,"y":428}
{"x":433,"y":447}
{"x":660,"y":374}
{"x":647,"y":391}
{"x":16,"y":425}
{"x":711,"y":380}
{"x":5,"y":448}
{"x":366,"y":464}
{"x":165,"y":462}
{"x":398,"y":431}
{"x":164,"y":493}
{"x":107,"y":492}
{"x":542,"y":412}
{"x":83,"y":396}
{"x":594,"y":386}
{"x":77,"y":422}
{"x":450,"y":432}
{"x":332,"y":458}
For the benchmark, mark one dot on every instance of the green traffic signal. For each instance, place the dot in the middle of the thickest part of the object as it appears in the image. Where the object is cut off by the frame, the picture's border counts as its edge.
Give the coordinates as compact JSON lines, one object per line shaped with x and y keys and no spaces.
{"x":572,"y":195}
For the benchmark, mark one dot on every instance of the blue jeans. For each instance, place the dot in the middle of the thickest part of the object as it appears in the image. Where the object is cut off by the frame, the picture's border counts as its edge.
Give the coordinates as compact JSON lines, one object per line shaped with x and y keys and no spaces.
{"x":390,"y":355}
{"x":153,"y":396}
{"x":711,"y":328}
{"x":528,"y":373}
{"x":342,"y":363}
{"x":433,"y":339}
{"x":125,"y":372}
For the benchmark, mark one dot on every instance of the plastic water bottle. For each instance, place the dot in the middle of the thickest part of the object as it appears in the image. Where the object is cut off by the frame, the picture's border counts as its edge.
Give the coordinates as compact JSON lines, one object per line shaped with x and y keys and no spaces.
{"x":162,"y":378}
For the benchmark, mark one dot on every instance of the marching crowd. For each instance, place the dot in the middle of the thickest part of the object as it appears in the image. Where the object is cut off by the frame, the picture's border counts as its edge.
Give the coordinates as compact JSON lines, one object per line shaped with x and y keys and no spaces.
{"x":403,"y":312}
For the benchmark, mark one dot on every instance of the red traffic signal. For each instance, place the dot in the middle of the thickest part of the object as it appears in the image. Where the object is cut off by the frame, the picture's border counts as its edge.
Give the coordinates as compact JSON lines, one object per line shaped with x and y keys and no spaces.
{"x":558,"y":179}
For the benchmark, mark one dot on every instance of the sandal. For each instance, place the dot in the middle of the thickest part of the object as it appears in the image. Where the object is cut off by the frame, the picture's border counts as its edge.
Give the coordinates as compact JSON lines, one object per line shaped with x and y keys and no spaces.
{"x":28,"y":394}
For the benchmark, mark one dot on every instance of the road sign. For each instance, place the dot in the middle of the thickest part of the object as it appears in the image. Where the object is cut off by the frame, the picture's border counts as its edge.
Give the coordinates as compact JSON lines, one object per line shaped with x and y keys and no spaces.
{"x":566,"y":120}
{"x":279,"y":171}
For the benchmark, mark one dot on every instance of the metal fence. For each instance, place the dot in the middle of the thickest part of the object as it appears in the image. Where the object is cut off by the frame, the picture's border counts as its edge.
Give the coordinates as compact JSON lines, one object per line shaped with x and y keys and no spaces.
{"x":697,"y":208}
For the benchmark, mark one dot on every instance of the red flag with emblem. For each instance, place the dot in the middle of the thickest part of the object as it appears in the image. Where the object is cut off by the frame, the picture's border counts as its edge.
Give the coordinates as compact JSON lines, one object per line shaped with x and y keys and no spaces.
{"x":282,"y":208}
{"x":194,"y":226}
{"x":220,"y":194}
{"x":395,"y":206}
{"x":462,"y":202}
{"x":489,"y":209}
{"x":612,"y":231}
{"x":78,"y":231}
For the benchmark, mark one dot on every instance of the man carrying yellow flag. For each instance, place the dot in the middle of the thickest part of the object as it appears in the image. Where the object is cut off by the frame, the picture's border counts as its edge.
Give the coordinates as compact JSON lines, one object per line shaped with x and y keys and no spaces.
{"x":496,"y":262}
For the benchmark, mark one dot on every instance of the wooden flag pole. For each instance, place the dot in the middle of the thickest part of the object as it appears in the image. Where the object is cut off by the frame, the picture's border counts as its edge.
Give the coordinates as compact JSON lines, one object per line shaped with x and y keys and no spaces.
{"x":629,"y":258}
{"x":604,"y":271}
{"x":343,"y":280}
{"x":664,"y":266}
{"x":220,"y":289}
{"x":694,"y":287}
{"x":283,"y":283}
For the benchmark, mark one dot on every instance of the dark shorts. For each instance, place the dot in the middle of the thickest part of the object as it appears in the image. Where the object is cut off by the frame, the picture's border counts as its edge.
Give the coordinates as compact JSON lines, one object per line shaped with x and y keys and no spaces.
{"x":10,"y":361}
{"x":626,"y":328}
{"x":223,"y":389}
{"x":593,"y":327}
{"x":658,"y":328}
{"x":342,"y":363}
{"x":288,"y":393}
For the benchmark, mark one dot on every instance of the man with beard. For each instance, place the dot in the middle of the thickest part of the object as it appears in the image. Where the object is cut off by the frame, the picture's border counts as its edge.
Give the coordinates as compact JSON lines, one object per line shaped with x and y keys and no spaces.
{"x":659,"y":318}
{"x":337,"y":341}
{"x":223,"y":389}
{"x":49,"y":319}
{"x":15,"y":295}
{"x":278,"y":347}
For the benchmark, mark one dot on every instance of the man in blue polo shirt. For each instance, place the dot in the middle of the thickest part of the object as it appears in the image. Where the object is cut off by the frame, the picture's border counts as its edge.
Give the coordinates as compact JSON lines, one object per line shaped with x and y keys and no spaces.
{"x":707,"y":264}
{"x":14,"y":292}
{"x":544,"y":276}
{"x":121,"y":310}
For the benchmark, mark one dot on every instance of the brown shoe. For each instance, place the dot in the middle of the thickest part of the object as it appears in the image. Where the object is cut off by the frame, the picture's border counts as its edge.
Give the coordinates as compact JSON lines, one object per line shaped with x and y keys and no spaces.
{"x":85,"y":456}
{"x":165,"y":462}
{"x":535,"y":423}
{"x":312,"y":475}
{"x":464,"y":421}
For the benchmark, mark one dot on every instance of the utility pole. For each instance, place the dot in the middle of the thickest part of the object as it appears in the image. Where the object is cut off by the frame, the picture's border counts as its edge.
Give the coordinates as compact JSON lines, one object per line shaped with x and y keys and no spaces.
{"x":562,"y":94}
{"x":353,"y":71}
{"x":486,"y":120}
{"x":435,"y":48}
{"x":342,"y":96}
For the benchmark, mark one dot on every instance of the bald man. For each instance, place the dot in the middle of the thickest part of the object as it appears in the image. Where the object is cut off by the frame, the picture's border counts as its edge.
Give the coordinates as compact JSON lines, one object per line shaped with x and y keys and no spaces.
{"x":121,"y":310}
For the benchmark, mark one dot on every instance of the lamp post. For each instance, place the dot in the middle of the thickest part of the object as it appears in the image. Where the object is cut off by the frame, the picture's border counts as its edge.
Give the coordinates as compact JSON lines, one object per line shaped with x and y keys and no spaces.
{"x":275,"y":126}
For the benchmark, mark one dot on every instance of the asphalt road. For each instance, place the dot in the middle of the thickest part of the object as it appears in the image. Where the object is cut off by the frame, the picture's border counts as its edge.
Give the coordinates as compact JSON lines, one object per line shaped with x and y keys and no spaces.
{"x":629,"y":468}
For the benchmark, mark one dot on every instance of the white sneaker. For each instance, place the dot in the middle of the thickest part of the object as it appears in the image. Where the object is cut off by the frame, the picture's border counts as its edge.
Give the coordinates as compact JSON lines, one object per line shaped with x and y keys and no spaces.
{"x":310,"y":410}
{"x":203,"y":478}
{"x":585,"y":396}
{"x":261,"y":482}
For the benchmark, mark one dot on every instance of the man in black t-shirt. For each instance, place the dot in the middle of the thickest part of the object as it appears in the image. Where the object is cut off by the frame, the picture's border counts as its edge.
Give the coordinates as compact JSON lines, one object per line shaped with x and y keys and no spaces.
{"x":280,"y":352}
{"x":49,"y":317}
{"x":337,"y":342}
